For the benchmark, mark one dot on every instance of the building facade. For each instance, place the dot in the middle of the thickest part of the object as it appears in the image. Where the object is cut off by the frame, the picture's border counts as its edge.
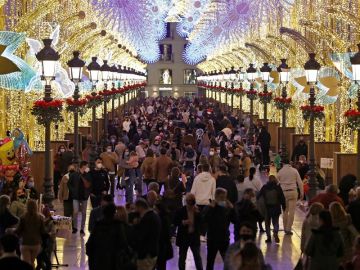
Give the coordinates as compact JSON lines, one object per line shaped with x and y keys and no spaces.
{"x":171,"y":76}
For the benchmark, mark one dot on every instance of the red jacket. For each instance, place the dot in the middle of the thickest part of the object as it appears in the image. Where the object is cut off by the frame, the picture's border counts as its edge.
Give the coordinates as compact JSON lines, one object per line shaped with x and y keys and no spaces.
{"x":326,"y":199}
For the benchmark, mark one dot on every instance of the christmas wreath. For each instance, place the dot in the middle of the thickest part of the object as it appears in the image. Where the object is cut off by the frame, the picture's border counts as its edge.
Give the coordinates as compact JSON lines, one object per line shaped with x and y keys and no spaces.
{"x":265,"y":97}
{"x":282,"y":103}
{"x":106,"y":94}
{"x":93,"y":100}
{"x":76,"y":105}
{"x":47,"y":111}
{"x":251,"y":94}
{"x":317,"y":111}
{"x":353,"y":119}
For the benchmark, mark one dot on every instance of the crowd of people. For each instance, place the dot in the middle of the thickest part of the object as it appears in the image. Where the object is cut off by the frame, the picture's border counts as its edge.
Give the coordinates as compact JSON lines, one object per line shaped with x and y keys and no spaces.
{"x":188,"y":170}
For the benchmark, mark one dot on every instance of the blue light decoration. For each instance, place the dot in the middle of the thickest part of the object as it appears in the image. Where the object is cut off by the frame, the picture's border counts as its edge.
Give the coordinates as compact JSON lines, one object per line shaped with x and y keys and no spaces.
{"x":227,"y":22}
{"x":139,"y":22}
{"x":16,"y":74}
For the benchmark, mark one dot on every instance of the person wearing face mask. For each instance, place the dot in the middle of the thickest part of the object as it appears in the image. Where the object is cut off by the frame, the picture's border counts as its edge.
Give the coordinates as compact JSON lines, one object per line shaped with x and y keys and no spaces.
{"x":110,"y":160}
{"x":214,"y":159}
{"x":247,"y":234}
{"x":64,"y":194}
{"x":218,"y":216}
{"x":30,"y":187}
{"x":60,"y":166}
{"x":100,"y":183}
{"x":188,"y":221}
{"x":79,"y":187}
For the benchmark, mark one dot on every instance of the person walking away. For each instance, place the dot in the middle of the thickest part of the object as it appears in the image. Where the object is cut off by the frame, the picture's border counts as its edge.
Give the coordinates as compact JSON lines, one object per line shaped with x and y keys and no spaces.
{"x":147,"y":234}
{"x":162,"y":167}
{"x":218,"y":215}
{"x":99,"y":183}
{"x":64,"y":193}
{"x":264,"y":140}
{"x":30,"y":230}
{"x":274,"y":200}
{"x":188,"y":221}
{"x":148,"y":167}
{"x":107,"y":244}
{"x":110,"y":160}
{"x":354,"y":209}
{"x":9,"y":259}
{"x":79,"y":186}
{"x":96,"y":214}
{"x":252,"y":181}
{"x":342,"y":221}
{"x":290,"y":182}
{"x":325,"y":247}
{"x":7,"y":220}
{"x":246,"y":212}
{"x":310,"y":223}
{"x":224,"y":180}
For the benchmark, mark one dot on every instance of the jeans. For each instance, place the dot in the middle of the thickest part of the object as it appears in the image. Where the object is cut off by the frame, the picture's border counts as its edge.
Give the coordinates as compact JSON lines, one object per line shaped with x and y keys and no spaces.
{"x":129,"y":186}
{"x":212,"y":250}
{"x":76,"y":206}
{"x":271,"y":216}
{"x":29,"y":253}
{"x":288,"y":215}
{"x":183,"y":253}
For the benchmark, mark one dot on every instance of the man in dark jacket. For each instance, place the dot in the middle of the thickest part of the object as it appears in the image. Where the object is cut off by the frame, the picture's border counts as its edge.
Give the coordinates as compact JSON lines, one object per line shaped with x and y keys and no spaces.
{"x":218,"y":216}
{"x":147,"y":234}
{"x":100,"y":183}
{"x":300,"y":149}
{"x":79,"y":188}
{"x":97,"y":214}
{"x":188,"y":221}
{"x":225,"y":181}
{"x":264,"y":140}
{"x":107,"y":243}
{"x":246,"y":211}
{"x":9,"y":259}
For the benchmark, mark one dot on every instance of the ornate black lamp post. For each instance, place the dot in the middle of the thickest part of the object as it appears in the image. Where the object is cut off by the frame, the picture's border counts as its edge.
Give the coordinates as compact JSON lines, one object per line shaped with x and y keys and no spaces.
{"x":75,"y":71}
{"x":241,"y":77}
{"x":284,"y":71}
{"x":265,"y":73}
{"x":113,"y":75}
{"x":105,"y":74}
{"x":355,"y":64}
{"x":311,"y":70}
{"x":48,"y":58}
{"x":251,"y":74}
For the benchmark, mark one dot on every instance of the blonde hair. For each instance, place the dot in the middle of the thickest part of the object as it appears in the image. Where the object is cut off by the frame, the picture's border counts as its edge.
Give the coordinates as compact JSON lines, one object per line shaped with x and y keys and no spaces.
{"x":337,"y":212}
{"x":121,"y":214}
{"x":315,"y":208}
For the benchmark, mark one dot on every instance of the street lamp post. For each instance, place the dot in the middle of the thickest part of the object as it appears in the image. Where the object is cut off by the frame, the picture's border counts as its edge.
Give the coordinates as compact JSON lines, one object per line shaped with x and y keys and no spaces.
{"x":105,"y":74}
{"x":241,"y":80}
{"x":94,"y":71}
{"x":48,"y":58}
{"x":251,"y":74}
{"x":265,"y":73}
{"x":75,"y":71}
{"x":284,"y":71}
{"x":355,"y":64}
{"x":311,"y":70}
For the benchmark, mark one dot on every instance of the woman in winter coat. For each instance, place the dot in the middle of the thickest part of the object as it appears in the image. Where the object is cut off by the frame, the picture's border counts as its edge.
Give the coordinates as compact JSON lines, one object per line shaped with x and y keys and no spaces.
{"x":325,"y":247}
{"x":343,"y":222}
{"x":310,"y":223}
